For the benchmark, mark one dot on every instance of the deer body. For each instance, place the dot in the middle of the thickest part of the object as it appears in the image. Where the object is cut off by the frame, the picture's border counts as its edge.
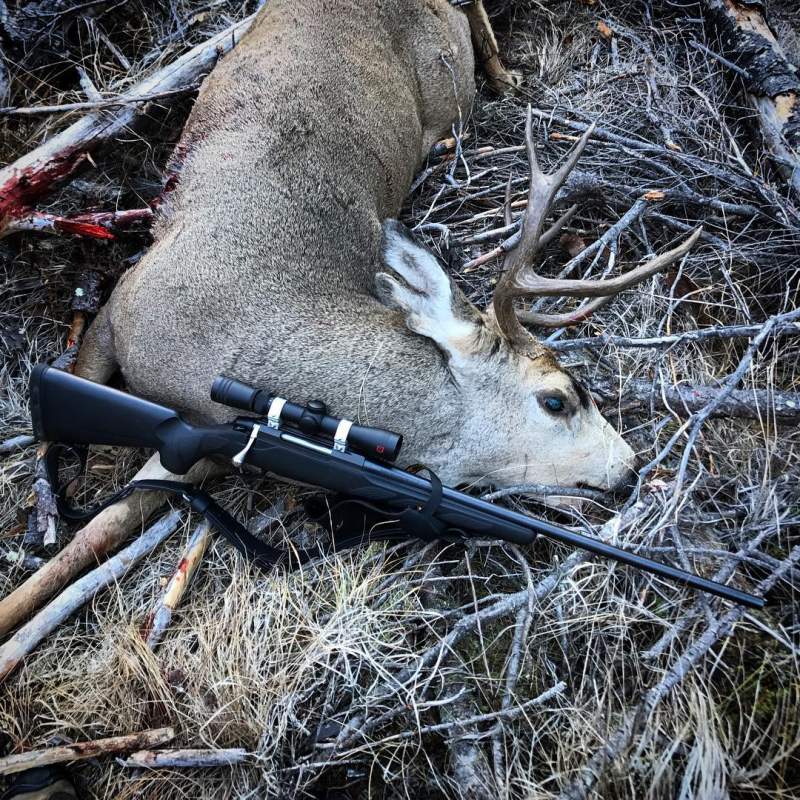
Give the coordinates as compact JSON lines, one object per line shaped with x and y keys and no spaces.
{"x":270,"y":263}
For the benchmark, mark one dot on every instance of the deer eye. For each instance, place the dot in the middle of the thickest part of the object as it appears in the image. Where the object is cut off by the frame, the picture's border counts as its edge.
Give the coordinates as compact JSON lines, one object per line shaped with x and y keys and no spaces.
{"x":553,"y":403}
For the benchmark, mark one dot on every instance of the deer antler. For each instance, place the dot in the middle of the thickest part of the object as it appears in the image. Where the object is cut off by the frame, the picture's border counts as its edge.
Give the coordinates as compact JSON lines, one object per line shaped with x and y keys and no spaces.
{"x":521,"y":280}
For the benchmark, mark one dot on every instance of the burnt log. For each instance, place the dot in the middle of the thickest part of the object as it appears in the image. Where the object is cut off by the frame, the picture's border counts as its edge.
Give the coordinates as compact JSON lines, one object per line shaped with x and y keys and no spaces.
{"x":771,"y":81}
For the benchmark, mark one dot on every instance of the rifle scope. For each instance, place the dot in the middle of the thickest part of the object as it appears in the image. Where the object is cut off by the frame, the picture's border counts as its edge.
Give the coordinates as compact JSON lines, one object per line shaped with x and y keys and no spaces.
{"x":312,"y":419}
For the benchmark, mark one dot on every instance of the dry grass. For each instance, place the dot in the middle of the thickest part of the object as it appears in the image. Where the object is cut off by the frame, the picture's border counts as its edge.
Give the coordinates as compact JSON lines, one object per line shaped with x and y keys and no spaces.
{"x":332,"y":676}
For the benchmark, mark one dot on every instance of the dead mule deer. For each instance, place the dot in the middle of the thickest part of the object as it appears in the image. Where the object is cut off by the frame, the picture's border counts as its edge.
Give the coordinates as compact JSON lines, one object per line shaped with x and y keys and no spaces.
{"x":270,"y":264}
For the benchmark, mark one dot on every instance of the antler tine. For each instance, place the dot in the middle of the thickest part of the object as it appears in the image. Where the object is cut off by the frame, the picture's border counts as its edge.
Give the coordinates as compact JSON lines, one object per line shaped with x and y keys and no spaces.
{"x":602,"y":290}
{"x":542,"y":190}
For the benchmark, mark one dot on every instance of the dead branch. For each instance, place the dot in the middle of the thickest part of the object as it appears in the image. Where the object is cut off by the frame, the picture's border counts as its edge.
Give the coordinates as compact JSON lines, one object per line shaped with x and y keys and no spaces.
{"x":44,"y":508}
{"x":772,"y":85}
{"x":97,"y":103}
{"x":602,"y":340}
{"x":104,"y":534}
{"x":685,"y":399}
{"x":636,"y":717}
{"x":80,"y":751}
{"x":189,"y":561}
{"x":542,"y":490}
{"x":33,"y":176}
{"x":160,"y":759}
{"x":72,"y":598}
{"x":721,"y":576}
{"x":16,"y":443}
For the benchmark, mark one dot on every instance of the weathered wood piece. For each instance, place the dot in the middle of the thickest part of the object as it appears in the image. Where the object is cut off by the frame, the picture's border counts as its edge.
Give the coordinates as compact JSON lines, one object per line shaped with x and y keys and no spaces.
{"x":178,"y":583}
{"x":72,"y":598}
{"x":34,"y":175}
{"x":771,"y":81}
{"x":159,"y":759}
{"x":80,"y":751}
{"x":92,"y":225}
{"x":44,"y":509}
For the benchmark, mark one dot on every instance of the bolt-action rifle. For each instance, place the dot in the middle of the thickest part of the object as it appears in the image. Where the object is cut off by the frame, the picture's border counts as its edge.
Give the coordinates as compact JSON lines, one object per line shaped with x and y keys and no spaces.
{"x":374,"y":499}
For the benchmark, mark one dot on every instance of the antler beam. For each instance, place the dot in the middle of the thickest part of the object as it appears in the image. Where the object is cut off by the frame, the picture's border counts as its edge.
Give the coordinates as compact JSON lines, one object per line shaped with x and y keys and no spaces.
{"x":521,"y":280}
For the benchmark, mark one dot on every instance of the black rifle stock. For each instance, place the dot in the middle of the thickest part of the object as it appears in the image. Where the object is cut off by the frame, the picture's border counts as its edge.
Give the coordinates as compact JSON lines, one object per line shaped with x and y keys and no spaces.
{"x":72,"y":410}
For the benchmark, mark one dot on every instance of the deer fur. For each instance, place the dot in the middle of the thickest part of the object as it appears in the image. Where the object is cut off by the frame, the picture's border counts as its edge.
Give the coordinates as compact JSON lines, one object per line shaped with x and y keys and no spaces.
{"x":274,"y":262}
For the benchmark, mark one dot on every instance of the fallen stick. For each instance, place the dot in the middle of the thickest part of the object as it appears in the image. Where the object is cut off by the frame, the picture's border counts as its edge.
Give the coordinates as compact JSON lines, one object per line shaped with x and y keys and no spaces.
{"x":103,"y":534}
{"x":83,"y":590}
{"x":34,"y":175}
{"x":90,"y":105}
{"x":80,"y":751}
{"x":178,"y":583}
{"x":771,"y":82}
{"x":44,"y":509}
{"x":159,"y":759}
{"x":16,"y":443}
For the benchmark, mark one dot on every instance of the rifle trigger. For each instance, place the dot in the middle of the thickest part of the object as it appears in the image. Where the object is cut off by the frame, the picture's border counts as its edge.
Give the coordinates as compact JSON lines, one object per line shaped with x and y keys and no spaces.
{"x":239,"y":458}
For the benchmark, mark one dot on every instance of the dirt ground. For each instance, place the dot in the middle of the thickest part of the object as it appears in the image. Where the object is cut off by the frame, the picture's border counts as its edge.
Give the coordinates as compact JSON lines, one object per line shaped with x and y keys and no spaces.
{"x":445,"y":671}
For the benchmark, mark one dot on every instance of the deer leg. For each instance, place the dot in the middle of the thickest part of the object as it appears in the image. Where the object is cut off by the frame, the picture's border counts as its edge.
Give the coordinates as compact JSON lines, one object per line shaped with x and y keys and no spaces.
{"x":501,"y":80}
{"x":96,"y":360}
{"x":103,"y":534}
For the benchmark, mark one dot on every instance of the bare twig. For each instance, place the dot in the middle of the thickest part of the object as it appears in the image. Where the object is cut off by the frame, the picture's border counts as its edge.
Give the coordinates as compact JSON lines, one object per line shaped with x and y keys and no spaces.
{"x":603,"y":340}
{"x":191,"y":759}
{"x":90,"y":105}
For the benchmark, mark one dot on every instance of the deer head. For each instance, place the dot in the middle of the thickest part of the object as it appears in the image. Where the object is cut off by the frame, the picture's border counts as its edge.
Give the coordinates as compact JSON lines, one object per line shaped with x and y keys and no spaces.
{"x":524,"y":418}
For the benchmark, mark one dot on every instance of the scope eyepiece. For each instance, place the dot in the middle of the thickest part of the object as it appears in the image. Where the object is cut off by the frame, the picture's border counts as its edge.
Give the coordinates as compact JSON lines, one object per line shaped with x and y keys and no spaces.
{"x":311,"y":419}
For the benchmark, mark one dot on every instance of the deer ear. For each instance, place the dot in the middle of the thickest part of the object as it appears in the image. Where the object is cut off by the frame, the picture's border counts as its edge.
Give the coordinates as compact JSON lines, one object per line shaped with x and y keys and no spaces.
{"x":433,"y":305}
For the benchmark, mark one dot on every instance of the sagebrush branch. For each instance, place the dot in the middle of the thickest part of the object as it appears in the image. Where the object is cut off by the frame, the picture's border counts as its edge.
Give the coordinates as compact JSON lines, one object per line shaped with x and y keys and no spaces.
{"x":636,"y":717}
